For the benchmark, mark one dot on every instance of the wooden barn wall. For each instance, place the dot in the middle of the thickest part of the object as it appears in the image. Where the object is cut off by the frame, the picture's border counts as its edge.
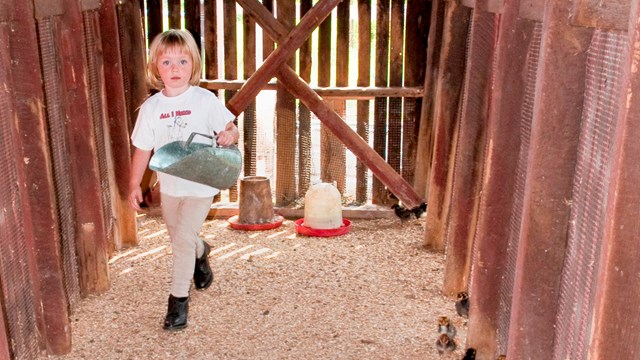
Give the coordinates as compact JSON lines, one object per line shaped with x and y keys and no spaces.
{"x":532,"y":198}
{"x":66,"y":152}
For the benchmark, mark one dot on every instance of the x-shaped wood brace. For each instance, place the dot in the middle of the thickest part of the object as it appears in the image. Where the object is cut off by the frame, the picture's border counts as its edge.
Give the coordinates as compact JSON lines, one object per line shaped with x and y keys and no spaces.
{"x":275,"y":64}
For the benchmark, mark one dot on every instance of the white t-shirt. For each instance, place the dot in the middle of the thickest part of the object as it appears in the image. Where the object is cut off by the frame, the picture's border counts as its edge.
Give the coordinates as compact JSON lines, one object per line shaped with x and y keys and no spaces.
{"x":164,"y":119}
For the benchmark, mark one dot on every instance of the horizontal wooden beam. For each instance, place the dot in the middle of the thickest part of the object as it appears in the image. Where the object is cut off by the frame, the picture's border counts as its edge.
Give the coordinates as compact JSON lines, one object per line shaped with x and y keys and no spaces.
{"x":355,"y":93}
{"x":609,"y":15}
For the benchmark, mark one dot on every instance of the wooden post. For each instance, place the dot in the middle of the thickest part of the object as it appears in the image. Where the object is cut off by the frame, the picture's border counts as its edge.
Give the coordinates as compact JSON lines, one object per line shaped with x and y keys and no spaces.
{"x":249,"y":122}
{"x":210,"y":39}
{"x":118,"y":120}
{"x":618,"y":272}
{"x":230,"y":63}
{"x":91,"y":239}
{"x":286,"y":126}
{"x":548,"y":185}
{"x":396,"y":51}
{"x":37,"y":192}
{"x":445,"y":116}
{"x":192,"y":19}
{"x":380,"y":109}
{"x":304,"y":115}
{"x":469,"y":152}
{"x":426,"y":130}
{"x":489,"y":262}
{"x":364,"y":72}
{"x":174,"y":14}
{"x":154,"y":18}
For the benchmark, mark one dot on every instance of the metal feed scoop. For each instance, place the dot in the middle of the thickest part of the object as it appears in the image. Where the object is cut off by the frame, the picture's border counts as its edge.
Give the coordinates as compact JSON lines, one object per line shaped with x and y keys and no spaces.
{"x":211,"y":165}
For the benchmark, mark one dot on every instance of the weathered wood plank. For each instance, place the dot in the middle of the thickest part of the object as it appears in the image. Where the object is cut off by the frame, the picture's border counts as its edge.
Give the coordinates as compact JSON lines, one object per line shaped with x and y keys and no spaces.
{"x":396,"y":51}
{"x":304,"y":115}
{"x":91,"y":241}
{"x":286,"y":127}
{"x":619,"y":266}
{"x":230,"y":63}
{"x":154,"y":18}
{"x":532,"y":9}
{"x":364,"y":73}
{"x":448,"y":93}
{"x":174,"y":14}
{"x":210,"y":39}
{"x":498,"y":187}
{"x":548,"y":185}
{"x":414,"y":74}
{"x":378,"y":192}
{"x":192,"y":19}
{"x":118,"y":129}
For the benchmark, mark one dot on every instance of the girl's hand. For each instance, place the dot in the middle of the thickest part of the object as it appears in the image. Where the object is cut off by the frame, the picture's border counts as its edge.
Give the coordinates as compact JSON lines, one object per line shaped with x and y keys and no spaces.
{"x":135,"y":198}
{"x":225,"y":138}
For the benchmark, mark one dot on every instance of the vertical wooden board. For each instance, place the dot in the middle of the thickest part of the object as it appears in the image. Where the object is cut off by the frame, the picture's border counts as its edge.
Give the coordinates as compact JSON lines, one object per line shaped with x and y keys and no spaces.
{"x":396,"y":51}
{"x":39,"y":205}
{"x":447,"y":95}
{"x":285,"y":122}
{"x":133,"y":50}
{"x":610,"y":15}
{"x":117,"y":120}
{"x":91,"y":239}
{"x":230,"y":59}
{"x":364,"y":80}
{"x":192,"y":20}
{"x":249,"y":117}
{"x":426,"y":129}
{"x":304,"y":115}
{"x":267,"y":42}
{"x":414,"y":70}
{"x":174,"y":14}
{"x":324,"y":79}
{"x":498,"y":183}
{"x":5,"y":352}
{"x":378,"y":192}
{"x":469,"y":152}
{"x":210,"y":39}
{"x":154,"y":18}
{"x":618,"y":272}
{"x":552,"y":159}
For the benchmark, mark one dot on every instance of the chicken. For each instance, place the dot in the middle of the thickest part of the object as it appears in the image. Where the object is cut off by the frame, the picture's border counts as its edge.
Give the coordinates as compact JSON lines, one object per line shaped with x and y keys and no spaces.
{"x":462,"y":304}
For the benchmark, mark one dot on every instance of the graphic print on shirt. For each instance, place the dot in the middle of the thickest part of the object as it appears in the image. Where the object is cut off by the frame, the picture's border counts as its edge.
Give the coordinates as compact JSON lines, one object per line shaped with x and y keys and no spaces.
{"x":178,"y":121}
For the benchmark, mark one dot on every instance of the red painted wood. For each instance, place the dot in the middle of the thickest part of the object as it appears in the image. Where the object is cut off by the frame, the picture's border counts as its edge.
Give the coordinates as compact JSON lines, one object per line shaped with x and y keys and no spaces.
{"x":619,"y":268}
{"x":118,"y":120}
{"x":548,"y":185}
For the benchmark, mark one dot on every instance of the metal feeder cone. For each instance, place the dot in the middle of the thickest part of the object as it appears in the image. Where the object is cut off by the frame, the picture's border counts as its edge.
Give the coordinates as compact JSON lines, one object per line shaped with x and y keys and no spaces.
{"x":255,"y":207}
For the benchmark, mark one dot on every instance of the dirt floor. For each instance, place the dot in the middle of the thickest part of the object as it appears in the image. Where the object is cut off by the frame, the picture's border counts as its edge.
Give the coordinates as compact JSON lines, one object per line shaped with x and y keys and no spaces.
{"x":373,"y":293}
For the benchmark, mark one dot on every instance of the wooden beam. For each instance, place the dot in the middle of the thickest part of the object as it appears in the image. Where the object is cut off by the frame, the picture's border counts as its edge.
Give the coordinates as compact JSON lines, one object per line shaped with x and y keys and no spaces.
{"x":548,"y":185}
{"x":355,"y":143}
{"x":617,"y":274}
{"x":364,"y":74}
{"x":280,"y":55}
{"x":346,"y":92}
{"x":532,"y":9}
{"x":379,"y":194}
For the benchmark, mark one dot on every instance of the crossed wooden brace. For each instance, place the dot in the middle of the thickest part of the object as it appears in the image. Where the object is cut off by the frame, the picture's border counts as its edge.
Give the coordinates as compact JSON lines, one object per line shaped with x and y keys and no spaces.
{"x":275,"y":64}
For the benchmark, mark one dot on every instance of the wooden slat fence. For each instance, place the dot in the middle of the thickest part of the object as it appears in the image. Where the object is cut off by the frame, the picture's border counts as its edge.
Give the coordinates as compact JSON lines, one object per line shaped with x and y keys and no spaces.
{"x":342,"y":48}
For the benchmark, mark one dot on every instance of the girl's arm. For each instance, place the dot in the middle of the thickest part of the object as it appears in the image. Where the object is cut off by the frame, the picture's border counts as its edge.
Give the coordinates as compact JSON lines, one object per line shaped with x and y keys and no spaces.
{"x":229,"y":136}
{"x":138,"y":167}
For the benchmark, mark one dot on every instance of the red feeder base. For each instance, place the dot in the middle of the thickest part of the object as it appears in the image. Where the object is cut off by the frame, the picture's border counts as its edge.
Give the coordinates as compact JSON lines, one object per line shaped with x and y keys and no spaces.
{"x":277,"y":221}
{"x":303,"y":230}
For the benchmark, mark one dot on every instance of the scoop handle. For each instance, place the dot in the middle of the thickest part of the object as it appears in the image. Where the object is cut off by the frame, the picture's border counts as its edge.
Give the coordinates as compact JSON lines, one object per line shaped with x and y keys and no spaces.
{"x":193,"y":134}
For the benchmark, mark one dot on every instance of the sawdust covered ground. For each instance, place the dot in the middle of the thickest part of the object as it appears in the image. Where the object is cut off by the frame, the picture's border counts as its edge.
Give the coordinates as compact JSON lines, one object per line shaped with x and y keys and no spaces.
{"x":371,"y":294}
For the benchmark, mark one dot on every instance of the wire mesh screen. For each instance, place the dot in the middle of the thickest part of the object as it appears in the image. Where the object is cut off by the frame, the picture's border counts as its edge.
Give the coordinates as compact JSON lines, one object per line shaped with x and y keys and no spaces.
{"x":577,"y":291}
{"x":60,"y":159}
{"x":14,"y":271}
{"x":92,"y":47}
{"x":515,"y":222}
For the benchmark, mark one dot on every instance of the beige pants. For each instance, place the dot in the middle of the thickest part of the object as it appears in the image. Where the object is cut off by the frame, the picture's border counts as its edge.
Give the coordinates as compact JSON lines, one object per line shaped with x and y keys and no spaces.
{"x":184,"y":217}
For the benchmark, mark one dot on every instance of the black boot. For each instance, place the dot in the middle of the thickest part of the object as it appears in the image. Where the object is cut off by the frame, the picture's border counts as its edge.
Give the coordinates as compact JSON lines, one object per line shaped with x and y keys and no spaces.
{"x":202,"y":275}
{"x":177,"y":311}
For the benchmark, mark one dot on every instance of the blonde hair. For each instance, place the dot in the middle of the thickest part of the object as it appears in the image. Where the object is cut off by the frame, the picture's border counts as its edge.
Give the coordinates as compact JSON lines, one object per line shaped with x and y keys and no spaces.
{"x":180,"y":40}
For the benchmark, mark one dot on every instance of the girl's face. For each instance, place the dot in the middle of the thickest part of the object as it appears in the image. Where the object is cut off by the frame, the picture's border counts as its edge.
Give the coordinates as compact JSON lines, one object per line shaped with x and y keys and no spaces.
{"x":175,"y":68}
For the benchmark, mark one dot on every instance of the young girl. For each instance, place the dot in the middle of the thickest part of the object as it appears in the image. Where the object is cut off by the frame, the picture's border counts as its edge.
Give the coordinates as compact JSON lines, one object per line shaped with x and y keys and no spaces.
{"x":180,"y":108}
